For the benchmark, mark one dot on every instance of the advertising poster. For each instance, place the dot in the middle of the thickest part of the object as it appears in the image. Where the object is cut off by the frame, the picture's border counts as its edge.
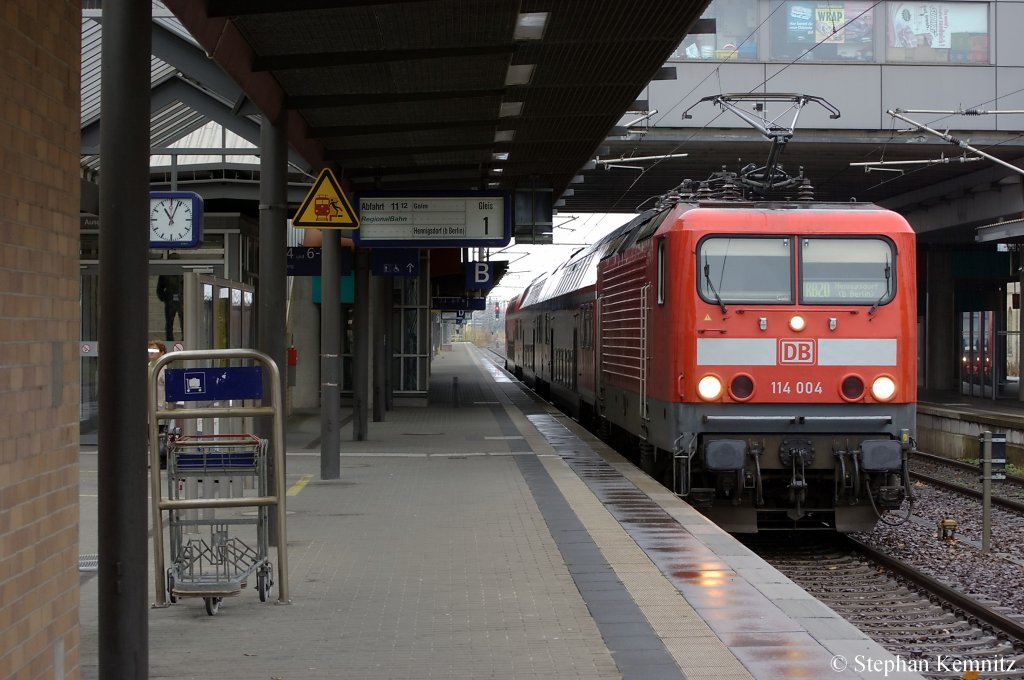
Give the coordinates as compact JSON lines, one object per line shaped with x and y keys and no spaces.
{"x":829,"y":24}
{"x":860,"y":29}
{"x":800,"y":24}
{"x":918,"y":24}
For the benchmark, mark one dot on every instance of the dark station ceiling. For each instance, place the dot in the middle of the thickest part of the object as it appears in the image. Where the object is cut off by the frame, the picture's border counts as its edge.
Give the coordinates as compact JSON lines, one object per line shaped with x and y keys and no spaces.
{"x":420,"y":95}
{"x":443,"y":94}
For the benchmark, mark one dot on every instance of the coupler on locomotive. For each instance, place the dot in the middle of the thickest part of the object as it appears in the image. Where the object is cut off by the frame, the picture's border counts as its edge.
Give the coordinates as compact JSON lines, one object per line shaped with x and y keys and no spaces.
{"x":743,"y":488}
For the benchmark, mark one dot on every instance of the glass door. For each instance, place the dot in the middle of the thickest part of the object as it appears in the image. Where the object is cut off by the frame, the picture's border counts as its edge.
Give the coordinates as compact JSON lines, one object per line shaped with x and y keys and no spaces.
{"x":977,"y":354}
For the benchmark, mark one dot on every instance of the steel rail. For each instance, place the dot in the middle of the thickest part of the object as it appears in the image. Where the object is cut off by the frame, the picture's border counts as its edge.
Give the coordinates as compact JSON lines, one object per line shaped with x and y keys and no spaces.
{"x":959,"y":464}
{"x":1017,"y":506}
{"x":963,"y":602}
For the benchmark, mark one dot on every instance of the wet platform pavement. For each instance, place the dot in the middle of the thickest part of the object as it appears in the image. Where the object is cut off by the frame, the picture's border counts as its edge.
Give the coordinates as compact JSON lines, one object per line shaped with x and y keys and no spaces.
{"x":492,"y":538}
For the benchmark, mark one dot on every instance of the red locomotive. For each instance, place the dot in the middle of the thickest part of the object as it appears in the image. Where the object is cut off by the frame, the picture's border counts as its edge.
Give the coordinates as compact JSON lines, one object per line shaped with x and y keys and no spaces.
{"x":761,"y":355}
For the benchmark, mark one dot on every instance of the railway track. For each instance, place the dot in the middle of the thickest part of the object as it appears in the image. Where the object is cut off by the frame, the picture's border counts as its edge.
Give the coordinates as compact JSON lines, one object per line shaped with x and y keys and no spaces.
{"x":963,"y":478}
{"x":933,"y":628}
{"x":920,"y":619}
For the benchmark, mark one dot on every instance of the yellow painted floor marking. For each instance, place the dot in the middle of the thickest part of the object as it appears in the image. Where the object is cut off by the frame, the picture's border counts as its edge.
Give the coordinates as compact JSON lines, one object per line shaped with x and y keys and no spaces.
{"x":299,"y":485}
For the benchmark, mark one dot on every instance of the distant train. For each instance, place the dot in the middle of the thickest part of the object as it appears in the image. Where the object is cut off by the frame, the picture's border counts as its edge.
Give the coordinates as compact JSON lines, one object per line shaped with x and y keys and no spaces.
{"x":760,"y":358}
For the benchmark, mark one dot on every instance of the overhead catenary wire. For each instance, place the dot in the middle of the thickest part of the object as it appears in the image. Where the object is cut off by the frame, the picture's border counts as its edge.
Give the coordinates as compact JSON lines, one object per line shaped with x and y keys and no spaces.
{"x":717,"y":70}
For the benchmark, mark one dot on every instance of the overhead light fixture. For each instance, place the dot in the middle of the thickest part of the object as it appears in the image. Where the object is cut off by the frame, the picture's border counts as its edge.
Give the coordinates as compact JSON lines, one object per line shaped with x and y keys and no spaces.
{"x":504,"y":135}
{"x":509,"y":109}
{"x":497,"y":171}
{"x":499,"y":156}
{"x":518,"y":74}
{"x":530,"y":26}
{"x":493,"y":185}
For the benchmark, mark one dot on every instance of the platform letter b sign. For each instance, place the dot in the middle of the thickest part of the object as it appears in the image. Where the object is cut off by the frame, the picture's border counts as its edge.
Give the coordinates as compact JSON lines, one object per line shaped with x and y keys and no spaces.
{"x":479,"y":275}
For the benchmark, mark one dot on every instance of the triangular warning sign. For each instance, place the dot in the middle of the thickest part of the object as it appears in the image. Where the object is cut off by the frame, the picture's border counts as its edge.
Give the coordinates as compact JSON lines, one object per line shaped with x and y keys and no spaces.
{"x":325,"y":206}
{"x":707,"y":317}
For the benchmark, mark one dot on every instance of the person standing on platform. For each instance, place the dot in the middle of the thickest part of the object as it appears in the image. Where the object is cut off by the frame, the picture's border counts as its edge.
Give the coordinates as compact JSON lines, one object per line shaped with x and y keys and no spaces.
{"x":168,"y":291}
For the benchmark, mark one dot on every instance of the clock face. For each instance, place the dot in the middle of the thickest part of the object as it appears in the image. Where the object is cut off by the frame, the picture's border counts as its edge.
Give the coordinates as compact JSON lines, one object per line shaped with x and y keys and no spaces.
{"x":174,"y":219}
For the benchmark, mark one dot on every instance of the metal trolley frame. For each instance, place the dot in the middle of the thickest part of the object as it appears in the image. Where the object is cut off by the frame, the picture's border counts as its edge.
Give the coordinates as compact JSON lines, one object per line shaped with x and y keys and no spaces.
{"x":217,"y":567}
{"x":209,"y":557}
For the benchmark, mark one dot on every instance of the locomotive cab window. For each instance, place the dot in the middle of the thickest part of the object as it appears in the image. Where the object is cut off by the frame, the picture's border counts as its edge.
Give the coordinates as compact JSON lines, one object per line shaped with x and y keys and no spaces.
{"x":847,"y":271}
{"x":745,"y":270}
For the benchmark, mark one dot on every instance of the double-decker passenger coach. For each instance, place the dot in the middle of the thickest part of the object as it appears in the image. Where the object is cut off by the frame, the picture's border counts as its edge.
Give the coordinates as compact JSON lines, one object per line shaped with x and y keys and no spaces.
{"x":760,"y":357}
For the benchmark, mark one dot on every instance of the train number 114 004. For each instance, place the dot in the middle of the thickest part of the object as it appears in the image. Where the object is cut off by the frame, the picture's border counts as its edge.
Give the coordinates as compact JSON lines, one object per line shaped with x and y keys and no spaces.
{"x":798,"y":387}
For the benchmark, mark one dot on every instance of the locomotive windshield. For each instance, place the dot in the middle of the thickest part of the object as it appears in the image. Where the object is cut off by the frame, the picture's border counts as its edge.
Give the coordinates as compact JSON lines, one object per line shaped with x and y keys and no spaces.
{"x":850,"y":271}
{"x":745,"y":270}
{"x":834,"y":271}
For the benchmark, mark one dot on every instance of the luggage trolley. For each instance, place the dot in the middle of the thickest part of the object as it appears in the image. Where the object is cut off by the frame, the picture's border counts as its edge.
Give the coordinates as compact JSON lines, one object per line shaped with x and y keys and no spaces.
{"x":209,"y":556}
{"x":212,"y":554}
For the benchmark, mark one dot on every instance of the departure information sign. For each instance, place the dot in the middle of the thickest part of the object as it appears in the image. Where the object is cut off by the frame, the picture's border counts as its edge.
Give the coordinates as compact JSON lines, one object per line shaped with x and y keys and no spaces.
{"x":435,"y":219}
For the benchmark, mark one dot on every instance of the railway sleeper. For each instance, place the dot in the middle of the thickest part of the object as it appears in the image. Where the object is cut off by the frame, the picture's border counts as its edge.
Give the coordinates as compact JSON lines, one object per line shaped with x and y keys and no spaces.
{"x":897,"y":608}
{"x":883,"y":627}
{"x":844,"y":598}
{"x":995,"y":647}
{"x":941,"y":635}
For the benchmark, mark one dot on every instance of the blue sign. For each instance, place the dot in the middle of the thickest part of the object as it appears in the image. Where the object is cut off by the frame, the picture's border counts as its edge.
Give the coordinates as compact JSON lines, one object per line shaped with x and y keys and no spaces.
{"x":309,"y":261}
{"x":479,"y":276}
{"x":213,"y":384}
{"x":454,"y":304}
{"x":395,"y":261}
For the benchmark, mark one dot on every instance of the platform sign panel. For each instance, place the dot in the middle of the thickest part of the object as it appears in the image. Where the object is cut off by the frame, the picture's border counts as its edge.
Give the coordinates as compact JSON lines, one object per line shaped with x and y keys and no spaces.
{"x":309,"y":261}
{"x":213,"y":384}
{"x":326,"y":206}
{"x":435,"y":219}
{"x":455,"y":304}
{"x":303,"y":261}
{"x":395,"y":262}
{"x":479,"y":275}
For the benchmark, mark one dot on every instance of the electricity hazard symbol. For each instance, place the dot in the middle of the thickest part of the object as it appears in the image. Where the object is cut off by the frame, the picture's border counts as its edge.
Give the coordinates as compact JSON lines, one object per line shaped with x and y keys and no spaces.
{"x":325,"y":206}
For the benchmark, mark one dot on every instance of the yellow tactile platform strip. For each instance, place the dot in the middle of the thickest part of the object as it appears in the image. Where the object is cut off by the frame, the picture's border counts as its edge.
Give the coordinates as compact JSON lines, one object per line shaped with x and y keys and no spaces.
{"x":691,"y":642}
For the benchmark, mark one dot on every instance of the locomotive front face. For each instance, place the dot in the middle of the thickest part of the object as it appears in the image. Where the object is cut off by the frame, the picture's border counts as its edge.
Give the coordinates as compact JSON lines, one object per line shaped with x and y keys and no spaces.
{"x":796,"y":383}
{"x":806,"y":319}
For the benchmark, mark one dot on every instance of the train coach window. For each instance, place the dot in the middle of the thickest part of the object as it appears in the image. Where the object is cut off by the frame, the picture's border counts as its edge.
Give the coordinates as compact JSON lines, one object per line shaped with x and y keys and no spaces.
{"x":745,"y":269}
{"x":853,"y":271}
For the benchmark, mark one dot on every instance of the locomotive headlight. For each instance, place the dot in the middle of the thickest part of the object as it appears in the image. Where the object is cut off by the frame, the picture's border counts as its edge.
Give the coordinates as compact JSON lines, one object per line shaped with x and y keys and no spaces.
{"x":709,"y":388}
{"x":883,"y":388}
{"x":797,"y":323}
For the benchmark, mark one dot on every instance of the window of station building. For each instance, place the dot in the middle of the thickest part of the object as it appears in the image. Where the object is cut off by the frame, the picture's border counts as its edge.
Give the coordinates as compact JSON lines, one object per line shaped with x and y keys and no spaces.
{"x":726,"y":30}
{"x":937,"y":32}
{"x":823,"y":31}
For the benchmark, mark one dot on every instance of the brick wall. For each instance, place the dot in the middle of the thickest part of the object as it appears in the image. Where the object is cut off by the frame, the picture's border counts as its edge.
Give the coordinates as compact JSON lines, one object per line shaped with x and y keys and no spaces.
{"x":39,"y":326}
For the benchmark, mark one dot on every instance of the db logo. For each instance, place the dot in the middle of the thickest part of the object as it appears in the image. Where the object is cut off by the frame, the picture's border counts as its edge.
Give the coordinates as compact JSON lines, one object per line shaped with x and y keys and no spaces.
{"x":797,"y":351}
